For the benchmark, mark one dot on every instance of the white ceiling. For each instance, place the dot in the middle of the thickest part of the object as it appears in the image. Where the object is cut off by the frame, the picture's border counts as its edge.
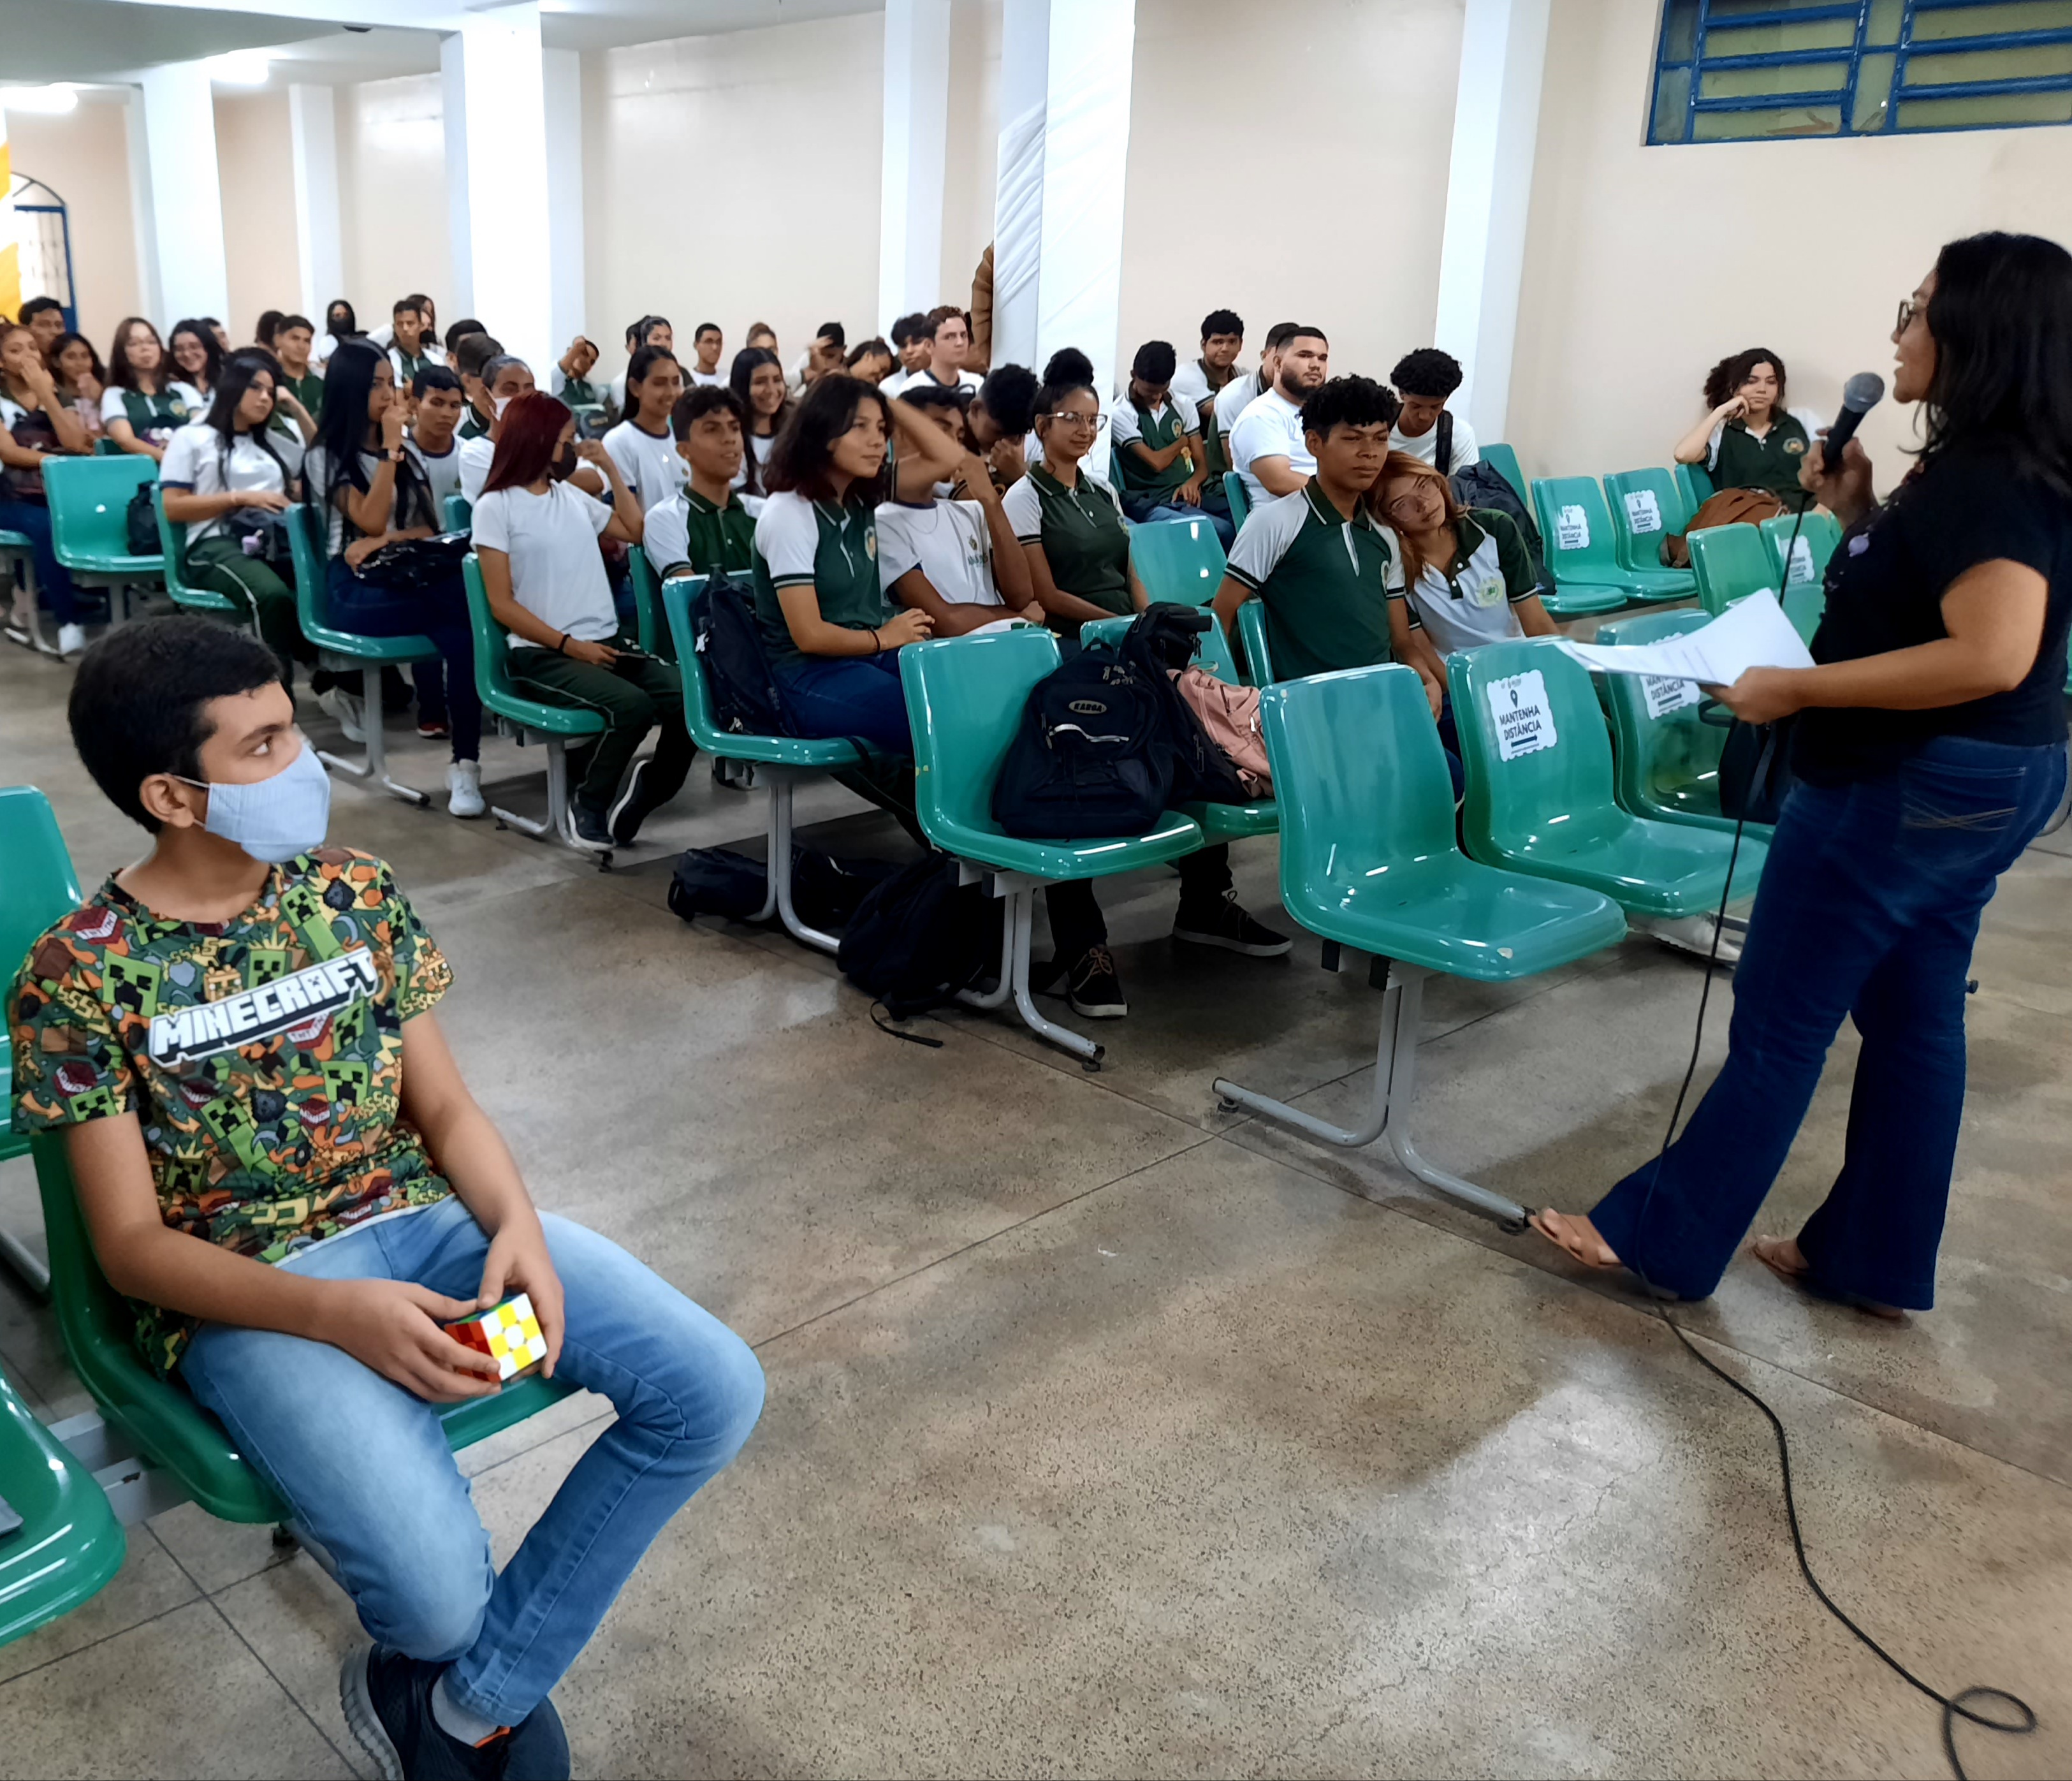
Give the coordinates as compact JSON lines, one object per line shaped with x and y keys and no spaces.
{"x":89,"y":41}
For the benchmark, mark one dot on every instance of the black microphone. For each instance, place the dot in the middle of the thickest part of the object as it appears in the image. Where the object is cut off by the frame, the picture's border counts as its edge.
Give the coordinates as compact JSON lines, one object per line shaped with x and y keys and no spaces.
{"x":1860,"y":395}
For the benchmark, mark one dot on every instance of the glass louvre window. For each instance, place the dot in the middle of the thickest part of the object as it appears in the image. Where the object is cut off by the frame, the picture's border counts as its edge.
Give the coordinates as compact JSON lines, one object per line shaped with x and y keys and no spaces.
{"x":1741,"y":71}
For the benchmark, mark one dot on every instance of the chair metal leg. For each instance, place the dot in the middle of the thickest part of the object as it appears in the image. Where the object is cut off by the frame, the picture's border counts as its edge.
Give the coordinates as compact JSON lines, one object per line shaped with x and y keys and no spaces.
{"x":1003,"y":989}
{"x":1022,"y":920}
{"x":135,"y":1488}
{"x":25,"y":581}
{"x":776,"y":819}
{"x":375,"y":765}
{"x":1395,"y":1087}
{"x":20,"y":1262}
{"x":779,"y":869}
{"x":556,"y":827}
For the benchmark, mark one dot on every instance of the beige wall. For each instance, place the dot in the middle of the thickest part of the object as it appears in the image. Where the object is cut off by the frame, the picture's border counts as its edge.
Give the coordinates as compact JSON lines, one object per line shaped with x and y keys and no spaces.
{"x":83,"y":157}
{"x":734,"y":179}
{"x":972,"y":161}
{"x":1334,"y":123}
{"x":255,"y":167}
{"x":1644,"y":265}
{"x":392,"y":176}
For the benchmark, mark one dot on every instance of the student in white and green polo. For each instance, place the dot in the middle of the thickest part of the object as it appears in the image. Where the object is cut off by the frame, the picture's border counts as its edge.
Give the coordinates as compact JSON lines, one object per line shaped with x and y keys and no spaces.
{"x":145,"y":404}
{"x":1464,"y":572}
{"x":1161,"y":459}
{"x":1069,"y":524}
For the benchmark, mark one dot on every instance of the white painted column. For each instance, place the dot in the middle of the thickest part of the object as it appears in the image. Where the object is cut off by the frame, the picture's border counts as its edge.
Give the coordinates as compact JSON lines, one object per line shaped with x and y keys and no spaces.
{"x":319,"y":224}
{"x":1064,"y":141}
{"x":178,"y":200}
{"x":1489,"y":193}
{"x":496,"y":116}
{"x":561,"y":71}
{"x":916,"y":138}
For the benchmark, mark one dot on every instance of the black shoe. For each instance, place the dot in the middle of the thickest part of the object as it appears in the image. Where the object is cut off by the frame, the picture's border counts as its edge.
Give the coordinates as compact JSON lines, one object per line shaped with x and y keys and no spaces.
{"x":1090,"y":985}
{"x":387,"y":1702}
{"x":1225,"y":924}
{"x":632,"y":807}
{"x":539,"y":1747}
{"x":589,"y":828}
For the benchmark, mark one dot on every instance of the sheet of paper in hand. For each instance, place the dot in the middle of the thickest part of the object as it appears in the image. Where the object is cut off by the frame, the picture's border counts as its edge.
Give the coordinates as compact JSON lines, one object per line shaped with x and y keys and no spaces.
{"x":1752,"y":633}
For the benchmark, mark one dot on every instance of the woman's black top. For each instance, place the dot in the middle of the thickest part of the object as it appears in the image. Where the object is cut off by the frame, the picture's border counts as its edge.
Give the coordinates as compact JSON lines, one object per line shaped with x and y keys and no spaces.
{"x":1974,"y":504}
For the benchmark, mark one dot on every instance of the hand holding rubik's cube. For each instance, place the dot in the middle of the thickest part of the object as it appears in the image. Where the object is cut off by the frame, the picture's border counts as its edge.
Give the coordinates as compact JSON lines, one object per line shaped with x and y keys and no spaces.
{"x":509,"y":1334}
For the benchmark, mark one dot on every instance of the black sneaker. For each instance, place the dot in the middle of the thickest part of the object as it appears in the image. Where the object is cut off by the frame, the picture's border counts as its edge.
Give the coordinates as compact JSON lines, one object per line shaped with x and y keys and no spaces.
{"x":589,"y":828}
{"x":539,"y":1747}
{"x":631,"y":808}
{"x":1225,"y":924}
{"x":387,"y":1702}
{"x":1090,"y":985}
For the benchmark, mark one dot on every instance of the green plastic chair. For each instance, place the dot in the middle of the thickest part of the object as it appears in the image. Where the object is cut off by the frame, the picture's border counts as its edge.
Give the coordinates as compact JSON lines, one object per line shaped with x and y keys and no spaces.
{"x":1587,"y":576}
{"x":1666,"y":758}
{"x":1240,"y":502}
{"x":458,"y":511}
{"x":1179,"y":560}
{"x":107,"y":448}
{"x":533,"y":720}
{"x":966,"y":696}
{"x":1251,"y":633}
{"x":69,"y":1544}
{"x":348,"y":653}
{"x":1506,"y":462}
{"x":38,"y":887}
{"x":1219,"y":822}
{"x":1368,"y":859}
{"x":1645,"y":505}
{"x":651,"y":632}
{"x":89,"y":500}
{"x":158,"y":1416}
{"x":1551,"y":810}
{"x":172,"y":540}
{"x":1731,"y":562}
{"x":1819,"y":534}
{"x":781,"y":761}
{"x":1695,"y":482}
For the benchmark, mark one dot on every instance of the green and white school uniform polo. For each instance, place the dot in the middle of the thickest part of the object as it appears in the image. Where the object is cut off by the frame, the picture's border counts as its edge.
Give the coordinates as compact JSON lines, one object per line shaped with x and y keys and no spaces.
{"x":1469,"y":603}
{"x":1736,"y":458}
{"x":828,"y":546}
{"x":1323,"y":578}
{"x":153,"y":419}
{"x":688,"y":530}
{"x":1155,"y":428}
{"x":1081,"y":533}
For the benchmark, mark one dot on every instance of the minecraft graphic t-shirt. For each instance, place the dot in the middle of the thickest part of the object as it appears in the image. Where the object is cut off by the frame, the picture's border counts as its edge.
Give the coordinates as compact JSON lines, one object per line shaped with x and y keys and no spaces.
{"x":263,"y":1055}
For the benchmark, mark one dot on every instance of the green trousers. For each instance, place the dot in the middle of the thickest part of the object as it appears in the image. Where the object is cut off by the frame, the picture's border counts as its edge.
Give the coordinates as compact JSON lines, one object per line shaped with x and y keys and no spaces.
{"x":220,"y":566}
{"x":635,"y":696}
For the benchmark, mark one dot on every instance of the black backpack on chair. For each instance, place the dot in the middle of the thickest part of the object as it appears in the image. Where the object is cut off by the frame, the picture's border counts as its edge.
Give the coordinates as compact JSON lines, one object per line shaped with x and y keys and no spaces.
{"x":745,"y":698}
{"x":1480,"y":484}
{"x":1091,"y":758}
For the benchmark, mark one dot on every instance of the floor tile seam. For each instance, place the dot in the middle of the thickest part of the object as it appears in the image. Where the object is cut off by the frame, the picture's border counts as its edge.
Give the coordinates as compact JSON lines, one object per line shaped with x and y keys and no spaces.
{"x":119,"y":1632}
{"x":216,"y":1607}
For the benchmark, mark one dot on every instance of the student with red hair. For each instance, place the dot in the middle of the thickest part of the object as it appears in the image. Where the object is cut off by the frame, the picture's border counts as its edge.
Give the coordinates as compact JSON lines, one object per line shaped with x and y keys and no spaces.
{"x":536,"y":536}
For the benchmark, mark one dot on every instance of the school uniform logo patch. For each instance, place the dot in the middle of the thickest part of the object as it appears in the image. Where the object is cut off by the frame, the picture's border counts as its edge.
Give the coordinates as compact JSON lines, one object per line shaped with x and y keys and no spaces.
{"x":1795,"y":446}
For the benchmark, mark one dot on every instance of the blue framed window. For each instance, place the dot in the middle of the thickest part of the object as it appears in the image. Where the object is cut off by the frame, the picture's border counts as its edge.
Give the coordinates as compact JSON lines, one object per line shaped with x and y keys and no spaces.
{"x":1737,"y":71}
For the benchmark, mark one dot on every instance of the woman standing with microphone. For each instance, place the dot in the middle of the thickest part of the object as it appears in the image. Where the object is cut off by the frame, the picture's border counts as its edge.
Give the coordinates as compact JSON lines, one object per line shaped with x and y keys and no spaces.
{"x":1930,"y":749}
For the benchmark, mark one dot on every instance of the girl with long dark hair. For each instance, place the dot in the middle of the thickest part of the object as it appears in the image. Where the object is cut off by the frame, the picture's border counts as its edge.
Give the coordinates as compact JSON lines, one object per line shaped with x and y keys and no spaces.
{"x":36,"y":423}
{"x":145,"y":403}
{"x":196,"y":353}
{"x":535,"y":536}
{"x":1930,"y":749}
{"x":1748,"y":438}
{"x":82,"y":379}
{"x":369,"y":495}
{"x":757,"y":377}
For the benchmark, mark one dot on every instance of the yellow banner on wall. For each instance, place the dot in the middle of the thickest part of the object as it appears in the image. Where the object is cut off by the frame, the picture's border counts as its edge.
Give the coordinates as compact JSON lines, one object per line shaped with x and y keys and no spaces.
{"x":10,"y":250}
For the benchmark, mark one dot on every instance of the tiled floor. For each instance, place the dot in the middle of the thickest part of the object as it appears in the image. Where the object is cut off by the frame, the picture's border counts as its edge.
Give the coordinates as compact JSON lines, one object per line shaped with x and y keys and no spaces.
{"x":1107,"y":1435}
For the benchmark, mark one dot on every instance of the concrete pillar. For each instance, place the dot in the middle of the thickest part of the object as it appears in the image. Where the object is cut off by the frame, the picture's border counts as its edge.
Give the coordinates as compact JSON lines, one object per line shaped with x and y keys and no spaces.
{"x":497,"y":177}
{"x":561,"y":71}
{"x":1489,"y":193}
{"x":916,"y":136}
{"x":1064,"y":141}
{"x":178,"y":200}
{"x":319,"y":225}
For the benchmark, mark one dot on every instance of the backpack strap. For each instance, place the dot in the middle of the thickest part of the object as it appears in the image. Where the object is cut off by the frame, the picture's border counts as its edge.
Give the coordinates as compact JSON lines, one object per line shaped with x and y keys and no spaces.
{"x":1442,"y":454}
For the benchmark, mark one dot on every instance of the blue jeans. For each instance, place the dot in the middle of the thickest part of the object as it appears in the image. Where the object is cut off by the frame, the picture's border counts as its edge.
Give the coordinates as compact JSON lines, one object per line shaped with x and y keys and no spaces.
{"x":438,"y":613}
{"x":1145,"y":510}
{"x":1868,"y":906}
{"x":53,"y":590}
{"x":365,"y":1466}
{"x":848,"y":695}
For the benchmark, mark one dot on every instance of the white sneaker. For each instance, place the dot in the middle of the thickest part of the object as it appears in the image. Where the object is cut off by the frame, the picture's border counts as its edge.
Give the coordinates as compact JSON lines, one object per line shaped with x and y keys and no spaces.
{"x":343,"y":707}
{"x":71,"y":639}
{"x":464,"y":789}
{"x":1694,"y":934}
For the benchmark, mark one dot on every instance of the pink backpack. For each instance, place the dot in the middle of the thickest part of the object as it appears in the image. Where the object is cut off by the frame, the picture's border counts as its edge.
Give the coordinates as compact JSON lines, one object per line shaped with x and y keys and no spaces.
{"x":1230,"y":714}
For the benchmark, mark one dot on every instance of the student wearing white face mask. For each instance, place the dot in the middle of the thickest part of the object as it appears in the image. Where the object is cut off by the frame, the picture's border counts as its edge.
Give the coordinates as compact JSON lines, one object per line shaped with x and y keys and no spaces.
{"x":505,"y":379}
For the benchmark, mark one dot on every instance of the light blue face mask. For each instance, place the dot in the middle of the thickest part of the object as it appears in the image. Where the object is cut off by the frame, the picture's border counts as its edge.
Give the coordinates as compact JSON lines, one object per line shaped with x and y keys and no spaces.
{"x":275,"y":819}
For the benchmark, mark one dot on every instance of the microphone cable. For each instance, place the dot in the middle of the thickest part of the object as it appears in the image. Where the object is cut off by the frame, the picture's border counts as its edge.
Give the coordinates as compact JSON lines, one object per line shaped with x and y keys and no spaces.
{"x":1954,"y":1707}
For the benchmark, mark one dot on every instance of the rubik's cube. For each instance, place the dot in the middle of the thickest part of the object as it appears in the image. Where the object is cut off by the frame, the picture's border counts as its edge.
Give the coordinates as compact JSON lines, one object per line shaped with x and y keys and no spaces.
{"x":509,"y":1334}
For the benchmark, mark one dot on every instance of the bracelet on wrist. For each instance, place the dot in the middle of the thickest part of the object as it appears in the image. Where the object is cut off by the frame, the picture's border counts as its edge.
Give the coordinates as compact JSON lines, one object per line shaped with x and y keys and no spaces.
{"x":877,"y":646}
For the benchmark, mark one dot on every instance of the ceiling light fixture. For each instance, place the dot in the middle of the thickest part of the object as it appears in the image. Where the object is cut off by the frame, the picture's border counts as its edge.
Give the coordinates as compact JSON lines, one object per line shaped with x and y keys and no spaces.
{"x":52,"y":100}
{"x":240,"y":68}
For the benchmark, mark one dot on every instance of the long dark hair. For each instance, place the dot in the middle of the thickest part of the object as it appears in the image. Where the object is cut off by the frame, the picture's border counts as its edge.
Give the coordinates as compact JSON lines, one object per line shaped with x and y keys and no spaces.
{"x":2001,"y":318}
{"x":351,"y":330}
{"x":342,"y":436}
{"x":212,"y":352}
{"x":800,"y":460}
{"x":739,"y":377}
{"x":239,"y":369}
{"x":121,"y":373}
{"x":97,"y":370}
{"x":1732,"y":371}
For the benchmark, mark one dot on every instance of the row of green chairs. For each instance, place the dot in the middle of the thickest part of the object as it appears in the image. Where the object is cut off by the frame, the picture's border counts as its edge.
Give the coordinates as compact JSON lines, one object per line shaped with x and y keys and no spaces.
{"x":89,"y":505}
{"x":1596,"y":561}
{"x":1732,"y":562}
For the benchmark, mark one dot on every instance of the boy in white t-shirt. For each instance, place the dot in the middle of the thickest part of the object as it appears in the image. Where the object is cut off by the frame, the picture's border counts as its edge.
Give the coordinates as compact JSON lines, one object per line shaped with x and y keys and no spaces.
{"x":707,"y":343}
{"x":1425,"y":381}
{"x":955,"y":559}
